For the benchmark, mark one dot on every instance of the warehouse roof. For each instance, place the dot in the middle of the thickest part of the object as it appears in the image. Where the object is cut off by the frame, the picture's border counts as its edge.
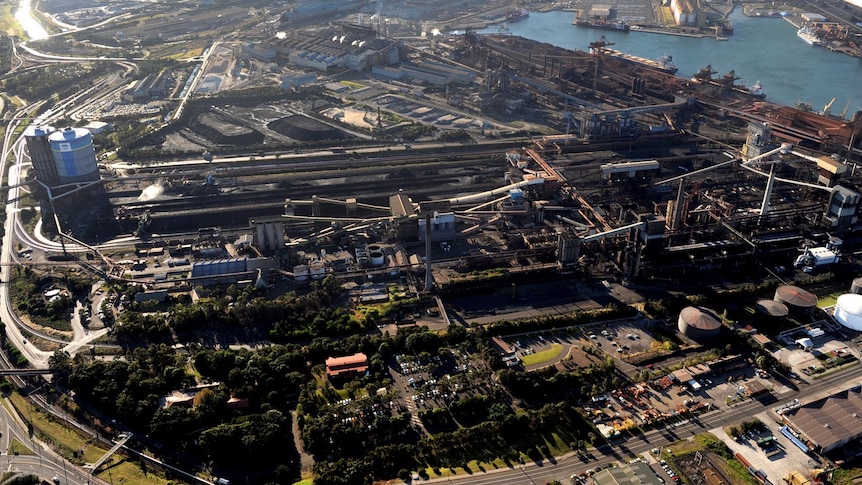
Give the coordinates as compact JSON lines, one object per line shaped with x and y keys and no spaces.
{"x":831,"y":421}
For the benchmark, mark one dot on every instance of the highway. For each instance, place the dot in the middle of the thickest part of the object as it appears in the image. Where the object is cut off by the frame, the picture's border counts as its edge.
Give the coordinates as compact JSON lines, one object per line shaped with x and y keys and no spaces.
{"x":566,"y":466}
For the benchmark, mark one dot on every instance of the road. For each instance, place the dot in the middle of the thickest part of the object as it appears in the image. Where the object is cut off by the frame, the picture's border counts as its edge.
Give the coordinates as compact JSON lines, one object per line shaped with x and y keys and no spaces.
{"x":566,"y":466}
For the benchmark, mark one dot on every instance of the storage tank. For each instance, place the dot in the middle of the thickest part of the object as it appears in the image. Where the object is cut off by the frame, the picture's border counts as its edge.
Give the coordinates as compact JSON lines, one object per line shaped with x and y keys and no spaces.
{"x":848,"y":311}
{"x":39,"y":150}
{"x":74,"y":155}
{"x":300,"y":273}
{"x":699,"y":323}
{"x":317,"y":270}
{"x":377,"y":258}
{"x":772,"y":308}
{"x":856,"y":286}
{"x":798,"y":301}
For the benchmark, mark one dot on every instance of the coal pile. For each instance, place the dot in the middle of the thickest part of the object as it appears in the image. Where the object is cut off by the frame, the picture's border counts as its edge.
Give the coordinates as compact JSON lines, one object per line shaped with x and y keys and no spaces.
{"x":303,"y":128}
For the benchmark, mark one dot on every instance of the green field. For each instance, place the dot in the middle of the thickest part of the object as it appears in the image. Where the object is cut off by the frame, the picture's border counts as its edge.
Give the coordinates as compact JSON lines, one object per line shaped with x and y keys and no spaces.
{"x":543,"y":356}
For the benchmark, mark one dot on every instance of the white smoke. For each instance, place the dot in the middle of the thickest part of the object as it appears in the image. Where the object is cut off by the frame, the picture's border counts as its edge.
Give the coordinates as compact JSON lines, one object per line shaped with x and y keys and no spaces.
{"x":151,"y":192}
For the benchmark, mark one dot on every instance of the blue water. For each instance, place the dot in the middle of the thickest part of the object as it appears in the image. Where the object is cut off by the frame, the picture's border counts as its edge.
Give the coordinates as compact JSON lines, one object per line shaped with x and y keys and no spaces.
{"x":760,"y":49}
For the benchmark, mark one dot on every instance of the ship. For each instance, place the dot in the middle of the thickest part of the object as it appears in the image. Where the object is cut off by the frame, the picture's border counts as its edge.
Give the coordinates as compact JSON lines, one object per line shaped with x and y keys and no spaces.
{"x":809,"y":35}
{"x":757,"y":90}
{"x":516,"y":15}
{"x":615,"y":25}
{"x":663,"y":63}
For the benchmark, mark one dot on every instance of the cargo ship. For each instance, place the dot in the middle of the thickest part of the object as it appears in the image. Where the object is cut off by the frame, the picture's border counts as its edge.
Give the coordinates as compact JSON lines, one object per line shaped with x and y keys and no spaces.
{"x":809,"y":35}
{"x":615,"y":25}
{"x":663,"y":63}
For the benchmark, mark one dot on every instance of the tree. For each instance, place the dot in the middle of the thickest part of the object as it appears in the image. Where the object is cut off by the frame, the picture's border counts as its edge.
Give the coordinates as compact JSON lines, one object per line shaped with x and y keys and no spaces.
{"x":60,"y":364}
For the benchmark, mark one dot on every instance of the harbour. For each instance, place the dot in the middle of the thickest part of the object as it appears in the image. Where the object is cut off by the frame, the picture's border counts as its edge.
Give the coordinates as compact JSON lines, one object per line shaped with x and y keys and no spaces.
{"x":765,"y":49}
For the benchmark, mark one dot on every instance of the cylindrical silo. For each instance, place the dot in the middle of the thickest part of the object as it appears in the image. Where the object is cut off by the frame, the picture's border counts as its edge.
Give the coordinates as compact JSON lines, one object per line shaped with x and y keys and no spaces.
{"x":317,"y":269}
{"x":271,"y":243}
{"x":798,"y":301}
{"x":699,"y":323}
{"x":300,"y":273}
{"x":74,"y":155}
{"x":856,"y":286}
{"x":260,"y":235}
{"x":39,"y":150}
{"x":771,"y":308}
{"x":848,"y":311}
{"x":377,"y":258}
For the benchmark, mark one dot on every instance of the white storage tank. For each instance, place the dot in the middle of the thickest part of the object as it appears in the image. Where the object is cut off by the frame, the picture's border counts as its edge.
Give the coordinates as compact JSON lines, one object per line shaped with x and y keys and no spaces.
{"x":856,"y":286}
{"x":300,"y":273}
{"x":848,"y":311}
{"x":317,"y":270}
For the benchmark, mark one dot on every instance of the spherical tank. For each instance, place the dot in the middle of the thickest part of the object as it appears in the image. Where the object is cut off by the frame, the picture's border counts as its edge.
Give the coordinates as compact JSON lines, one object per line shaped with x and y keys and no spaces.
{"x":74,"y":155}
{"x":772,"y":308}
{"x":699,"y":323}
{"x":848,"y":311}
{"x":856,"y":286}
{"x":795,"y":298}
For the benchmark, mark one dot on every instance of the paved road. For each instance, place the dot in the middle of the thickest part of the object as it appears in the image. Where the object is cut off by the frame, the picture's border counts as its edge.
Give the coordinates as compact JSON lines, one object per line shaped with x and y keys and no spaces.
{"x":565,"y":466}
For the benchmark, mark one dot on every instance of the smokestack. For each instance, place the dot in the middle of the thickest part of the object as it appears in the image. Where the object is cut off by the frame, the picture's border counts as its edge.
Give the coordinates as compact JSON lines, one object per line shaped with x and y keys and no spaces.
{"x":429,"y":280}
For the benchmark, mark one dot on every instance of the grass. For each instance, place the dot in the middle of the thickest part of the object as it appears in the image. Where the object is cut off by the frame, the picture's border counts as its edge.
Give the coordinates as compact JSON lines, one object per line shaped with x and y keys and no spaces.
{"x":18,"y":448}
{"x":127,"y":472}
{"x":846,"y":476}
{"x":829,"y":300}
{"x":307,"y":481}
{"x":67,"y":441}
{"x":543,"y":356}
{"x":50,"y":431}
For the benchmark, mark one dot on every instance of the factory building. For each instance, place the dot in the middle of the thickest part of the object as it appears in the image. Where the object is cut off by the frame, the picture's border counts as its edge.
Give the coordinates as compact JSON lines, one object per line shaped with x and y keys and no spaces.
{"x":841,"y":211}
{"x":293,"y":82}
{"x":637,"y":473}
{"x":828,"y":423}
{"x":259,"y":52}
{"x":153,"y":86}
{"x":347,"y":47}
{"x":699,"y":323}
{"x":848,"y":311}
{"x":431,"y":73}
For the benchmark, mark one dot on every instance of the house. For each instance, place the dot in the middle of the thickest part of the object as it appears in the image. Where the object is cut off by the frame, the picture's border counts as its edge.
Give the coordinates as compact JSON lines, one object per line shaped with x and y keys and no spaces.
{"x":347,"y":366}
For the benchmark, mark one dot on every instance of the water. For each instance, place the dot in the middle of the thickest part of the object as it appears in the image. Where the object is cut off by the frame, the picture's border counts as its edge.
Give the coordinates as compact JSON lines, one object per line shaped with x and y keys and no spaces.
{"x":760,"y":49}
{"x":31,"y":26}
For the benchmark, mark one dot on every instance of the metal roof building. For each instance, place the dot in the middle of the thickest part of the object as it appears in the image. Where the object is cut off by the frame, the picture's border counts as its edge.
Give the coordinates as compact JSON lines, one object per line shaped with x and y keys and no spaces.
{"x":830,"y":422}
